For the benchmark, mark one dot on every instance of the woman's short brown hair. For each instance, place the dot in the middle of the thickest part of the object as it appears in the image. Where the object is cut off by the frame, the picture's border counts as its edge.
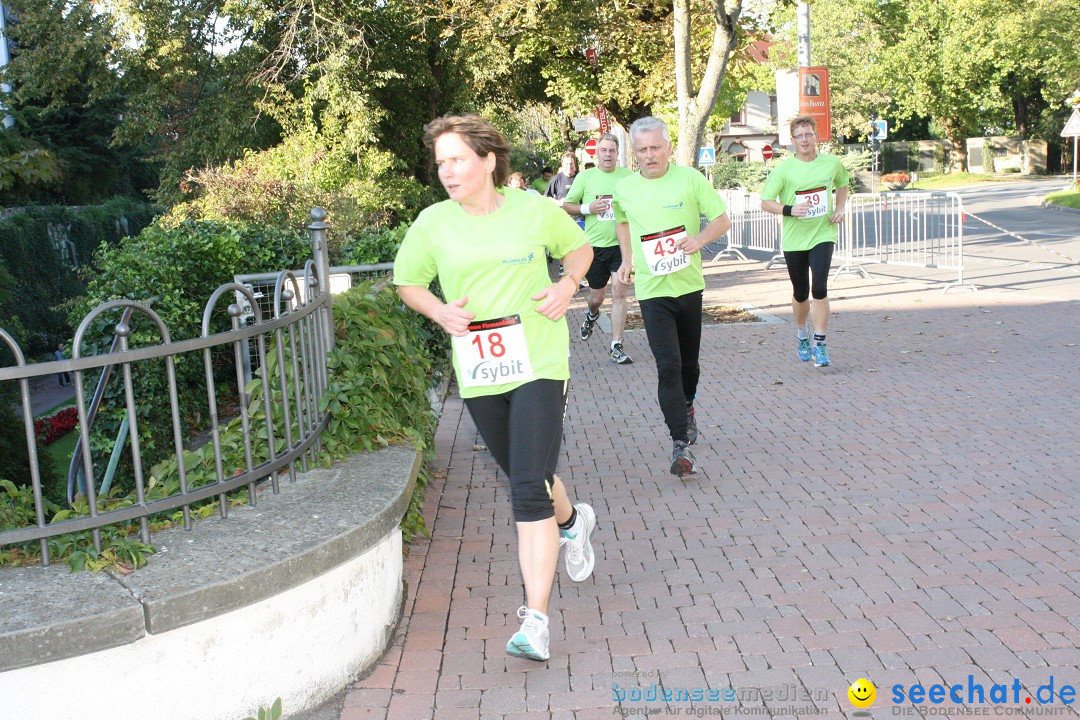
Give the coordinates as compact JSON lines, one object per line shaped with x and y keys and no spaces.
{"x":479,"y":135}
{"x":802,"y":120}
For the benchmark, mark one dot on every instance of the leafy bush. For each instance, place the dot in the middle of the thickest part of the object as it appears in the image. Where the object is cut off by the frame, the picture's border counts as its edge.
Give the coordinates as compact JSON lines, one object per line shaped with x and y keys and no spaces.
{"x":33,"y":253}
{"x":732,"y":174}
{"x":181,"y":265}
{"x":279,"y":186}
{"x":384,"y":361}
{"x":896,"y":177}
{"x":373,"y":246}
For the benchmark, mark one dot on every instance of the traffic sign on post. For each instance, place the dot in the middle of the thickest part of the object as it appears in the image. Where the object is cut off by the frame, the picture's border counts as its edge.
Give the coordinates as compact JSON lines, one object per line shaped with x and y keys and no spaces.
{"x":590,"y":147}
{"x":1072,"y":128}
{"x":766,"y":152}
{"x":706,"y":156}
{"x":881,"y":129}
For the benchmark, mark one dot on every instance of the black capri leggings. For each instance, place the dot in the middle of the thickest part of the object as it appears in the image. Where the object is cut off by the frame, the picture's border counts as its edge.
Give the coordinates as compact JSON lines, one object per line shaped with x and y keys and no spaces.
{"x":523,"y":430}
{"x":801,"y":264}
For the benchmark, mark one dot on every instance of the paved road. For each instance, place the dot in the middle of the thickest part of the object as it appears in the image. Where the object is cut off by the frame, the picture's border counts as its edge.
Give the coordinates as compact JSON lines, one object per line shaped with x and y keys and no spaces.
{"x":910,"y":515}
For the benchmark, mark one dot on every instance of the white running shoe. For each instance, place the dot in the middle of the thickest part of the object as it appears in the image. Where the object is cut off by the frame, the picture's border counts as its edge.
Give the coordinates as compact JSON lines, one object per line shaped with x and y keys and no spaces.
{"x":580,"y":558}
{"x":531,"y":640}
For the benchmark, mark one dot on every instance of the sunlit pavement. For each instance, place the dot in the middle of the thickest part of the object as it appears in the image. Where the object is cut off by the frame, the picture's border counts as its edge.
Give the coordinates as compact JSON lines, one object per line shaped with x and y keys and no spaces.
{"x":908,"y":515}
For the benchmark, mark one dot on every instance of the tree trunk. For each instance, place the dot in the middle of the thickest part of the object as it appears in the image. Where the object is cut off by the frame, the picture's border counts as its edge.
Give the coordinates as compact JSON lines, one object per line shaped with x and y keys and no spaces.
{"x":958,"y":159}
{"x":695,"y":108}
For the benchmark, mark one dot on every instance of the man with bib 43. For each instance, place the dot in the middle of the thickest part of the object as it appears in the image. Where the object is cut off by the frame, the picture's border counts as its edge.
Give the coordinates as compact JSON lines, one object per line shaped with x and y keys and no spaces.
{"x":658,"y":221}
{"x":801,"y":189}
{"x":487,"y":245}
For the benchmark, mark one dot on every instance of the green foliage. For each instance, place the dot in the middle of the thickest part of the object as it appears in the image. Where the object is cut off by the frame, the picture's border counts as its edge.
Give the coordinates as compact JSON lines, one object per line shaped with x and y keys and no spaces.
{"x":373,"y":246}
{"x":731,"y":174}
{"x":385,"y":360}
{"x":278,"y":187}
{"x":273,"y":713}
{"x":181,"y":265}
{"x":32,"y":251}
{"x":382,"y":365}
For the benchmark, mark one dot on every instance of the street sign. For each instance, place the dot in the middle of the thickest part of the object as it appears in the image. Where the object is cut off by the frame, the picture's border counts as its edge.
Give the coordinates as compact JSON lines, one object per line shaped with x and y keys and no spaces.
{"x":602,"y":116}
{"x":586,"y":124}
{"x":1072,"y":128}
{"x":881,"y":129}
{"x":766,"y":152}
{"x":590,"y":147}
{"x":706,"y":156}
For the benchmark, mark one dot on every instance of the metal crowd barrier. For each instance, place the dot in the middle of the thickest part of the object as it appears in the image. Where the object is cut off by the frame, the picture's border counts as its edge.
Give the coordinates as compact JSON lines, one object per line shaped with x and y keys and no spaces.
{"x":295,"y":324}
{"x":914,"y":229}
{"x":751,"y":228}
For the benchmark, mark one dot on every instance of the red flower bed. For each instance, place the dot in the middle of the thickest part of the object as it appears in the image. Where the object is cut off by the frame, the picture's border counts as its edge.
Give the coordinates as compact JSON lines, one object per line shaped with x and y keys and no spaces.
{"x":53,"y":428}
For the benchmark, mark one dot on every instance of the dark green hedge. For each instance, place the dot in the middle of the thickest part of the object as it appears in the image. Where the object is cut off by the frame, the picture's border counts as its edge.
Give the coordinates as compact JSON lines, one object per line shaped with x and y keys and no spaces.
{"x":42,"y":281}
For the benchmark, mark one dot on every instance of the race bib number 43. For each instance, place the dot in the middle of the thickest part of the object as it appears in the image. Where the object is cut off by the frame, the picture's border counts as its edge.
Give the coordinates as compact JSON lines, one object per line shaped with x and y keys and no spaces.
{"x":662,"y":252}
{"x":817,"y":201}
{"x":493,"y":353}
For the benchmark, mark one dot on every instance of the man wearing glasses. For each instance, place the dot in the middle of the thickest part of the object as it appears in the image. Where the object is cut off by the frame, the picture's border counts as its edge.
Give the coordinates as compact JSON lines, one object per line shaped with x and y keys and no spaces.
{"x":801,"y":189}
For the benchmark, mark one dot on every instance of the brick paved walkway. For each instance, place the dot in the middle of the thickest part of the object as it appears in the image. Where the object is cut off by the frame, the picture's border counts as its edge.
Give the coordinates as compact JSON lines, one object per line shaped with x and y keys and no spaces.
{"x":908,"y":515}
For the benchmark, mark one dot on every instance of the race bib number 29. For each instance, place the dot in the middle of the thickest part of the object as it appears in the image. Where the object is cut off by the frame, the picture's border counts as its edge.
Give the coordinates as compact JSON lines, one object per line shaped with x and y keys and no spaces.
{"x":817,"y":201}
{"x":494,"y":352}
{"x":662,"y":252}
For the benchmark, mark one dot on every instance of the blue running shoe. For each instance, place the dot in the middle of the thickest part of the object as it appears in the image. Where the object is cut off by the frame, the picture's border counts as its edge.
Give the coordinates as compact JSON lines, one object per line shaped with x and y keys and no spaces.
{"x":821,"y":355}
{"x":531,"y":641}
{"x":804,"y":349}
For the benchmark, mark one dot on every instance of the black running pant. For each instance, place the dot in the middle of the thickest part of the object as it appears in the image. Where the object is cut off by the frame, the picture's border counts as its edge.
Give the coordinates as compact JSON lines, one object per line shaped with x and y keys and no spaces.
{"x":523,"y":430}
{"x":800,"y":265}
{"x":673,"y":325}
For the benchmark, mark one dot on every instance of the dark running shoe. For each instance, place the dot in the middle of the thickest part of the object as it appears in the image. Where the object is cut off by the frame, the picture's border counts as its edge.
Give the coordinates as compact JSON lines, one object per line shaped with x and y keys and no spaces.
{"x":587,"y":326}
{"x":682,"y":461}
{"x":618,"y":356}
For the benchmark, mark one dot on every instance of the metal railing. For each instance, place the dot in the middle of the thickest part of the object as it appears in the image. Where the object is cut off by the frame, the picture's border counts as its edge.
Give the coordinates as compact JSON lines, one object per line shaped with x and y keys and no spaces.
{"x":295,"y":326}
{"x":914,"y":229}
{"x":751,"y":228}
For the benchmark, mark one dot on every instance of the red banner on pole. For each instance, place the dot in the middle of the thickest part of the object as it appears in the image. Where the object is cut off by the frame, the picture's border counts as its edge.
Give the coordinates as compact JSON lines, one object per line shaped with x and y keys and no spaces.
{"x":602,"y":116}
{"x":814,"y":99}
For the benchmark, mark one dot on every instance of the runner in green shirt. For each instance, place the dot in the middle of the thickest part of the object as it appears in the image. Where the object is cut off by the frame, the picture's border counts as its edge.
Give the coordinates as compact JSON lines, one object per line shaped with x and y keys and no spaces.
{"x":658,"y":214}
{"x":590,"y":195}
{"x":801,"y":189}
{"x":486,"y":245}
{"x":540,"y":184}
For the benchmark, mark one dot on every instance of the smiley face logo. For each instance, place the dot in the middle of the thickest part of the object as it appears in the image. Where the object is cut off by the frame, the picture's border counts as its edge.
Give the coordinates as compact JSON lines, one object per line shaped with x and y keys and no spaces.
{"x":862,"y":693}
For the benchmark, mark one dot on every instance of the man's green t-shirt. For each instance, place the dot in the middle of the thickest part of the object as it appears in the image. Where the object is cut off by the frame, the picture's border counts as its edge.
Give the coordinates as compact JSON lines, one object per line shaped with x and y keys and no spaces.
{"x":592,"y":184}
{"x":540,"y":185}
{"x":498,"y":261}
{"x":797,"y":181}
{"x":659,"y":211}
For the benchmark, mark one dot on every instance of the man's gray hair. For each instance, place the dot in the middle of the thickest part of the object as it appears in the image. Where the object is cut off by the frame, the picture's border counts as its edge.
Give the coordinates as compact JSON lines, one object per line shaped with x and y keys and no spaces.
{"x":608,"y":136}
{"x":649,"y":123}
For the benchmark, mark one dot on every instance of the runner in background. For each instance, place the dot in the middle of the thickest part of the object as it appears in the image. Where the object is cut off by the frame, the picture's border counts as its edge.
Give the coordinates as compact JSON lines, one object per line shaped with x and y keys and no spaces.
{"x":658,"y":214}
{"x":540,"y":184}
{"x":590,"y":195}
{"x":486,"y":246}
{"x":801,"y":189}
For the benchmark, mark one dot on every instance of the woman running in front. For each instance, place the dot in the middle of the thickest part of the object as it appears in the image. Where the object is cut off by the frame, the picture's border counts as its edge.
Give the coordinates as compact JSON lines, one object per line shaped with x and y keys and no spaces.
{"x":486,"y":245}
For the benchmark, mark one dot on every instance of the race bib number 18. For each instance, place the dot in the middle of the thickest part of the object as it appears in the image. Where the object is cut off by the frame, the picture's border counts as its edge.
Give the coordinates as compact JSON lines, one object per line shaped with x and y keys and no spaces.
{"x":817,"y":201}
{"x":662,"y":252}
{"x":493,"y":353}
